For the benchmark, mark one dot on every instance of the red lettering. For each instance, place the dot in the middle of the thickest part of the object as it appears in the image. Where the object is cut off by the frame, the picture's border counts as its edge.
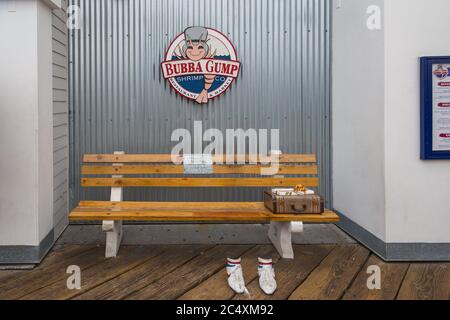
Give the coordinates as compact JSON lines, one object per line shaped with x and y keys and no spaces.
{"x":210,"y":66}
{"x":184,"y":68}
{"x":199,"y":68}
{"x":234,"y":68}
{"x":169,"y":70}
{"x":176,"y":68}
{"x":226,"y":68}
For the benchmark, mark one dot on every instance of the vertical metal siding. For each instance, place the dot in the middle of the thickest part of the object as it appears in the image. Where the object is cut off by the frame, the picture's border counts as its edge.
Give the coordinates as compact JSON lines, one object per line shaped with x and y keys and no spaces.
{"x":119,"y":100}
{"x":60,"y":57}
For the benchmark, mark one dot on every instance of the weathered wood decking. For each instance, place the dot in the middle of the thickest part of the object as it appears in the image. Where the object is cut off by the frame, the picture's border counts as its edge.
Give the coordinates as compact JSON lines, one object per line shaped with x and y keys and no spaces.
{"x":197,"y":272}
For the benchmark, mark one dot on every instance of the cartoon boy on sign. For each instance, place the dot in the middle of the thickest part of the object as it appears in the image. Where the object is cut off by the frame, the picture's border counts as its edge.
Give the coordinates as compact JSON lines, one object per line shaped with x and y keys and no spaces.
{"x":200,"y":64}
{"x":196,"y":48}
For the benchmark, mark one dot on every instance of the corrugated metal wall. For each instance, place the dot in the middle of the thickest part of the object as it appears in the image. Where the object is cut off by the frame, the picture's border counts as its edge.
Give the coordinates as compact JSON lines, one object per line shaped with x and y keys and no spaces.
{"x":119,"y":100}
{"x":60,"y":56}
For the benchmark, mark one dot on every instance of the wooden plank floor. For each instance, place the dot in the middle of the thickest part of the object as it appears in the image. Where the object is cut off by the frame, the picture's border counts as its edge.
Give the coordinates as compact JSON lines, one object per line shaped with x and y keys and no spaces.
{"x":197,"y":272}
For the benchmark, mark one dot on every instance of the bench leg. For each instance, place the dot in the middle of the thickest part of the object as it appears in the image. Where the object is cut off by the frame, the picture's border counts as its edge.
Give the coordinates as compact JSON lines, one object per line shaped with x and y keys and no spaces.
{"x":113,"y":231}
{"x":280,"y":233}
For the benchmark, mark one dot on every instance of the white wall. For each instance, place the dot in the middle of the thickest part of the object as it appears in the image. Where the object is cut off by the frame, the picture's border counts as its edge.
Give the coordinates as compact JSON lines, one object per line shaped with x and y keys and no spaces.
{"x":417,"y":192}
{"x":18,"y":106}
{"x":358,"y":117}
{"x":379,"y":180}
{"x":25,"y":123}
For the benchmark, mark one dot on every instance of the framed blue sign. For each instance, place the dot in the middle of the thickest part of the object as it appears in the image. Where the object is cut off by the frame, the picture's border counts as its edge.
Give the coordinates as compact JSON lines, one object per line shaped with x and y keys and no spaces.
{"x":435,"y":108}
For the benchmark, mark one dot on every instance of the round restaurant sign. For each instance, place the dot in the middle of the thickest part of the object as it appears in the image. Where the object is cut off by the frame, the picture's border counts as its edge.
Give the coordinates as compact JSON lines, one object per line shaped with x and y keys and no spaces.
{"x":200,"y":64}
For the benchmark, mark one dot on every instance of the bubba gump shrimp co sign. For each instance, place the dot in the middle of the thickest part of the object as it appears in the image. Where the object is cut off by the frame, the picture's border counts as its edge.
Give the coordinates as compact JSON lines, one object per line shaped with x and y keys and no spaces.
{"x":201,"y":64}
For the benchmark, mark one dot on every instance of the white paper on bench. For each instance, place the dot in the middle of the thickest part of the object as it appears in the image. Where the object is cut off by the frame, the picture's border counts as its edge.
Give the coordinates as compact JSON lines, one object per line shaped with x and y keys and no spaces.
{"x":198,"y":163}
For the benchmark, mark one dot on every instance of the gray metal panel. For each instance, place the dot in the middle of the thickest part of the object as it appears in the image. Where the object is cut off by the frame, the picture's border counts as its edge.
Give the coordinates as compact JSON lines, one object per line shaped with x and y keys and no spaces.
{"x":120,"y":102}
{"x":395,"y":251}
{"x":19,"y":255}
{"x":60,"y":119}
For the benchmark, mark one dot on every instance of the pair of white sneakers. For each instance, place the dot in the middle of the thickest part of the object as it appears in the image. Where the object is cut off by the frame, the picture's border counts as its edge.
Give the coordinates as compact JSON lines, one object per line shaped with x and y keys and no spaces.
{"x":266,"y":275}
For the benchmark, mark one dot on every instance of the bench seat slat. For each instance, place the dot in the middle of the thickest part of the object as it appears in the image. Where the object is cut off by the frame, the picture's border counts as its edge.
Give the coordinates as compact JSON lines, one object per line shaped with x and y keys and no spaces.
{"x":188,"y":211}
{"x":198,"y":182}
{"x":163,"y":204}
{"x":179,"y":169}
{"x":167,"y":158}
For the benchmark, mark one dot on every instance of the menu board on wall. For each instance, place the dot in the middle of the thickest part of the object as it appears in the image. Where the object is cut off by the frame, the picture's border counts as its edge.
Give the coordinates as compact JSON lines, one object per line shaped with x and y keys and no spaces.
{"x":435,"y":108}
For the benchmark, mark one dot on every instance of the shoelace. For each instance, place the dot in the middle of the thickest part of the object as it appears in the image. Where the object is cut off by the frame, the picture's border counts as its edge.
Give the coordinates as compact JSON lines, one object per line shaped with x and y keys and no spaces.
{"x":239,"y":278}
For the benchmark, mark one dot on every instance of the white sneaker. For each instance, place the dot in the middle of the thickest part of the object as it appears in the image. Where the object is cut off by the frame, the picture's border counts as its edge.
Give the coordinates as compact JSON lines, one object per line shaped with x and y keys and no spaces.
{"x":266,"y":276}
{"x":235,"y":276}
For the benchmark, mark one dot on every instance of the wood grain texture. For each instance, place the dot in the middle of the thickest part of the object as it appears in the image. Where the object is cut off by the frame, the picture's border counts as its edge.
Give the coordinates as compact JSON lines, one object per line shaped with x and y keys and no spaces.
{"x":216,"y":286}
{"x":426,"y":281}
{"x":392,"y":275}
{"x":289,"y":274}
{"x":199,"y":182}
{"x":53,"y":260}
{"x":182,"y":279}
{"x":4,"y":274}
{"x":39,"y":278}
{"x":54,"y":256}
{"x":179,"y":169}
{"x":197,"y":272}
{"x":334,"y":274}
{"x":168,"y":158}
{"x":94,"y":275}
{"x":189,"y":211}
{"x":150,"y":271}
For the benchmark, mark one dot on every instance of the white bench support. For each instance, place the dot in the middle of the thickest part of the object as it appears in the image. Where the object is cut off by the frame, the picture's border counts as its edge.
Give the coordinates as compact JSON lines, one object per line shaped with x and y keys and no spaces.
{"x":113,"y":229}
{"x":280,"y":233}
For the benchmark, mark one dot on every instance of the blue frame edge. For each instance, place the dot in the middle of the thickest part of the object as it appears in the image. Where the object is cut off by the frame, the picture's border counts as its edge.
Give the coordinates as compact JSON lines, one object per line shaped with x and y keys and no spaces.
{"x":426,"y":109}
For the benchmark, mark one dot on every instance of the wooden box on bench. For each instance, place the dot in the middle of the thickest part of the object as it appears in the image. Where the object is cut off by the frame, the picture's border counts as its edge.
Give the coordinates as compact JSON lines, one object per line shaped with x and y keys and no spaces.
{"x":305,"y":204}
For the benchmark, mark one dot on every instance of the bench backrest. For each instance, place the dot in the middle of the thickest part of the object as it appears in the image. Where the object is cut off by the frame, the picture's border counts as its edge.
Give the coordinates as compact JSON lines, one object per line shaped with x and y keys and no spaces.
{"x":133,"y":170}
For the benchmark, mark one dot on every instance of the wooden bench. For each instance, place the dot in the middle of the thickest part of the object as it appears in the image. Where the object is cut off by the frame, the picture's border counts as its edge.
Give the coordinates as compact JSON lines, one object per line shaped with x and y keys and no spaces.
{"x":130,"y":170}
